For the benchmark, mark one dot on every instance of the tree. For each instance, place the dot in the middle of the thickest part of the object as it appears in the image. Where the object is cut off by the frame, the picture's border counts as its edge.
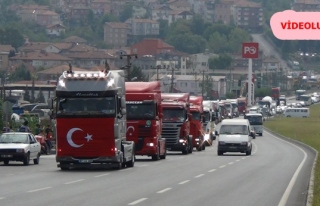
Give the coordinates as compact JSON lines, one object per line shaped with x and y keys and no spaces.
{"x":218,"y":43}
{"x":21,"y":73}
{"x":26,"y":96}
{"x":236,"y":37}
{"x":224,"y":61}
{"x":197,"y":25}
{"x":163,"y":28}
{"x":137,"y":74}
{"x":40,"y":97}
{"x":126,"y":13}
{"x":12,"y":53}
{"x":188,"y":43}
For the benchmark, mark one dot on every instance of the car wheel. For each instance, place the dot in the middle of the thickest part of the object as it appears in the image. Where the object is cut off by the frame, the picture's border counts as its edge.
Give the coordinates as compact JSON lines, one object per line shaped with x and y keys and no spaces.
{"x":220,"y":153}
{"x":37,"y":160}
{"x":26,"y":159}
{"x":6,"y":162}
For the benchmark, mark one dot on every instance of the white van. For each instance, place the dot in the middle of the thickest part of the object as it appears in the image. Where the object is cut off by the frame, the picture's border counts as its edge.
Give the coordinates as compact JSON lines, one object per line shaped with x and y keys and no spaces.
{"x":256,"y":122}
{"x":235,"y":135}
{"x":297,"y":112}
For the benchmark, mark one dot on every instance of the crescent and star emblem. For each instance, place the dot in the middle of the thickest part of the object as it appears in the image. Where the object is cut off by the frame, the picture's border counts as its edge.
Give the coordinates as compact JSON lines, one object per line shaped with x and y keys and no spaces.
{"x":130,"y":127}
{"x":70,"y":141}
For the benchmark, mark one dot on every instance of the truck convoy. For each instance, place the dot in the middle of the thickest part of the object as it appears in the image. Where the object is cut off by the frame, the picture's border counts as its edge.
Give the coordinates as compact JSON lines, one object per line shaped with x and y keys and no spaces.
{"x":196,"y":124}
{"x":176,"y":122}
{"x":144,"y":119}
{"x":90,"y":120}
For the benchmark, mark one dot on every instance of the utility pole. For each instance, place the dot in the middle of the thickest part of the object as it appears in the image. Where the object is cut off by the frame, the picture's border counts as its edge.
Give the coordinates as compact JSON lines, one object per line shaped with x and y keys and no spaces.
{"x":171,"y":86}
{"x":157,"y":68}
{"x":128,"y":65}
{"x":202,"y":88}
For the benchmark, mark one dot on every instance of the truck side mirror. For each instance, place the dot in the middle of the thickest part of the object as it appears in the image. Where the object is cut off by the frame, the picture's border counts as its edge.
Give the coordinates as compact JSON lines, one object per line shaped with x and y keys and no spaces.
{"x":50,"y":103}
{"x":213,"y":118}
{"x":216,"y":133}
{"x":123,"y":111}
{"x":203,"y":119}
{"x":123,"y":102}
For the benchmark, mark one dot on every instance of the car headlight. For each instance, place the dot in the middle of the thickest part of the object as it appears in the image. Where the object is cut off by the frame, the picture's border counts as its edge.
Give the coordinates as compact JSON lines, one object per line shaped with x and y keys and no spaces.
{"x":221,"y":143}
{"x":20,"y":150}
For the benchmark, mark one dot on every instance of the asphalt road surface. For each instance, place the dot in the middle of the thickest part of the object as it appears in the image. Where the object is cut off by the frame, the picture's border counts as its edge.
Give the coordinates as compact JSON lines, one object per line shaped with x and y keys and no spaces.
{"x":277,"y":173}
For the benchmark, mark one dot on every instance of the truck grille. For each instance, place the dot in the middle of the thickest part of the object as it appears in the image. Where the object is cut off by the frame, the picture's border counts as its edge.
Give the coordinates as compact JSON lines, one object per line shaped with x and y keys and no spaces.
{"x":171,"y":132}
{"x":144,"y":131}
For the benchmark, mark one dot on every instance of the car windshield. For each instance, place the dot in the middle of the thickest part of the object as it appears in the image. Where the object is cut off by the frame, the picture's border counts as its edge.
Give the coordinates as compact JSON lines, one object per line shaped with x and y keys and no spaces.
{"x":254,"y":120}
{"x":176,"y":115}
{"x":234,"y":129}
{"x":14,"y":138}
{"x":86,"y":106}
{"x":195,"y":115}
{"x":206,"y":115}
{"x":141,"y":111}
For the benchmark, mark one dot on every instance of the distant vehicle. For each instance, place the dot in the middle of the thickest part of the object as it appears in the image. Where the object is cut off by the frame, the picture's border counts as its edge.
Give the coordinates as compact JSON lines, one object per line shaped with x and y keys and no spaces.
{"x":19,"y":146}
{"x":297,"y":112}
{"x":306,"y":99}
{"x":256,"y":122}
{"x":255,"y":110}
{"x":299,"y":93}
{"x":235,"y":135}
{"x":275,"y":93}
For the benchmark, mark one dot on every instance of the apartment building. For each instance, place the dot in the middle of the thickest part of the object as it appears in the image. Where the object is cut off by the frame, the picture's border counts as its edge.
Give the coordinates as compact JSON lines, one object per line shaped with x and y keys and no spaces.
{"x":306,"y":5}
{"x":223,"y":11}
{"x":143,"y":27}
{"x":178,"y":14}
{"x":248,"y":15}
{"x":116,"y":33}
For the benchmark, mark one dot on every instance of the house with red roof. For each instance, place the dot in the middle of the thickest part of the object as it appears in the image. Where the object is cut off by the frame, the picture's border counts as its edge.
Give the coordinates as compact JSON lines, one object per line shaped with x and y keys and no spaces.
{"x":151,"y":46}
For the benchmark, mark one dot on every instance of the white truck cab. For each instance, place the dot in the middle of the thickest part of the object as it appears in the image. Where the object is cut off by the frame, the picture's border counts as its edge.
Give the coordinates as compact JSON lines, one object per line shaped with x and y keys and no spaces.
{"x":235,"y":135}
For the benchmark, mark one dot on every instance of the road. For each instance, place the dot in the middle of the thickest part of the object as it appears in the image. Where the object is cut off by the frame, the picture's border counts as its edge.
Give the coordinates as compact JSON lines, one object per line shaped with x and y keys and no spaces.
{"x":202,"y":178}
{"x":268,"y":50}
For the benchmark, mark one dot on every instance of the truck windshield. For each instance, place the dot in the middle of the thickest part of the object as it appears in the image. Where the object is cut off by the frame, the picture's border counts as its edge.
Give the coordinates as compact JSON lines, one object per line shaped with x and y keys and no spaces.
{"x":305,"y":98}
{"x":195,"y":116}
{"x":254,"y":120}
{"x":241,"y":104}
{"x":141,"y":111}
{"x":174,"y":115}
{"x":86,"y":106}
{"x":234,"y":129}
{"x":263,"y":103}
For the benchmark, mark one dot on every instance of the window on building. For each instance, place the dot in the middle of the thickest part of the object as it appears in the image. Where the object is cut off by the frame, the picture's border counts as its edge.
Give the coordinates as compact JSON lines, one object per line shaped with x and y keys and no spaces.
{"x":186,"y":83}
{"x":134,"y":50}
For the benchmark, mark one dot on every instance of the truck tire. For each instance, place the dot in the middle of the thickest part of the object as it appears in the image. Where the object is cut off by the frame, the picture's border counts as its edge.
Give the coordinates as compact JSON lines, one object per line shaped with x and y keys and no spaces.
{"x":64,"y":167}
{"x":164,"y":155}
{"x":220,"y":153}
{"x":190,"y":146}
{"x":203,"y":146}
{"x":131,"y":162}
{"x":156,"y":157}
{"x":185,"y":150}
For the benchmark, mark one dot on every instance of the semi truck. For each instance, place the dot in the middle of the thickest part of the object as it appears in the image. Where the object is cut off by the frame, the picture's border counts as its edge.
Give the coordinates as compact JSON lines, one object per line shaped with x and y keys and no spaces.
{"x":242,"y":105}
{"x":176,"y":122}
{"x":144,"y":119}
{"x":90,"y":120}
{"x":209,"y":119}
{"x":196,"y":124}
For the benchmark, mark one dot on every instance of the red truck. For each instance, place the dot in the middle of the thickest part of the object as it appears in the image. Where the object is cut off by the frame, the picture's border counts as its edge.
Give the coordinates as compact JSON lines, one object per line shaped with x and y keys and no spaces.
{"x":144,"y":119}
{"x":275,"y":93}
{"x":196,"y":124}
{"x":90,"y":120}
{"x":242,"y":105}
{"x":176,"y":122}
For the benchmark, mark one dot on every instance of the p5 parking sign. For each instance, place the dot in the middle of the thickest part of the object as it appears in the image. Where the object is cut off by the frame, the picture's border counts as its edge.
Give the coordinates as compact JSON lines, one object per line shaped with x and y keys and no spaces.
{"x":250,"y":50}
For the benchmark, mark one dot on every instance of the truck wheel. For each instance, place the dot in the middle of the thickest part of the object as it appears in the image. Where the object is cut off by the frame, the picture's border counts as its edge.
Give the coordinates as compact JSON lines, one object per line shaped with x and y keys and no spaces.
{"x":199,"y":148}
{"x":220,"y":153}
{"x":156,"y":157}
{"x":203,"y":146}
{"x":131,"y":162}
{"x":64,"y":167}
{"x":6,"y":162}
{"x":185,"y":150}
{"x":190,"y":146}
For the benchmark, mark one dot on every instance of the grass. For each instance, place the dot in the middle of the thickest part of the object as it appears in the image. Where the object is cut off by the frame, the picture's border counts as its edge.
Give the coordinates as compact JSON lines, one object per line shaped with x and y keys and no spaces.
{"x":305,"y":130}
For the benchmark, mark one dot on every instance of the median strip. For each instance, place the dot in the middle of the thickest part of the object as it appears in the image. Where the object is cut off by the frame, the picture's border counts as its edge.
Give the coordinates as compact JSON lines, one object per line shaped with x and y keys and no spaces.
{"x":138,"y":201}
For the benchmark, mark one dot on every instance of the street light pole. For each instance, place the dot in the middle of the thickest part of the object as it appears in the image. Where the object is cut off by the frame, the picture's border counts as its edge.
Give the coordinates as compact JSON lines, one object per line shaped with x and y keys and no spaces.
{"x":202,"y":88}
{"x":128,"y":65}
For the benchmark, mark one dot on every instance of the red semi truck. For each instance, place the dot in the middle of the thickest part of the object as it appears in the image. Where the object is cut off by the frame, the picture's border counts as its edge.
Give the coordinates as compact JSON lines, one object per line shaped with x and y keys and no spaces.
{"x":90,"y":120}
{"x":242,"y":105}
{"x":144,"y":118}
{"x":275,"y":93}
{"x":196,"y":124}
{"x":176,"y":122}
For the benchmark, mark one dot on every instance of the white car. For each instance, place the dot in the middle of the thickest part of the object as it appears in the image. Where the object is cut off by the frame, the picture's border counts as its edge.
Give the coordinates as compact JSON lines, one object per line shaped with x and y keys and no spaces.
{"x":19,"y":146}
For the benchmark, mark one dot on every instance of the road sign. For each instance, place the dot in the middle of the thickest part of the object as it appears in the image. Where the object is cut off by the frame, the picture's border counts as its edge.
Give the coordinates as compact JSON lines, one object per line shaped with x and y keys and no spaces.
{"x":6,"y":107}
{"x":250,"y":50}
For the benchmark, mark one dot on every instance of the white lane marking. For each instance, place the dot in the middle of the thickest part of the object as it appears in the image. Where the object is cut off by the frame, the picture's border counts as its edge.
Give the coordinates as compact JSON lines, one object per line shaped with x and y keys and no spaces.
{"x":36,"y":190}
{"x":137,"y":201}
{"x":199,"y":176}
{"x":212,"y":170}
{"x":238,"y":160}
{"x":164,"y":190}
{"x":1,"y":198}
{"x":255,"y":147}
{"x":243,"y":158}
{"x":67,"y":183}
{"x":230,"y":163}
{"x":141,"y":166}
{"x":9,"y":174}
{"x":184,"y":182}
{"x":102,"y":175}
{"x":126,"y":169}
{"x":288,"y":190}
{"x":222,"y":166}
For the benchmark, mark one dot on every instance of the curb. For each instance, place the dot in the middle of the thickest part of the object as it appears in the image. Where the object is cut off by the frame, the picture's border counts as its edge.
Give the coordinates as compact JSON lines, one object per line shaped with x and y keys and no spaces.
{"x":311,"y":182}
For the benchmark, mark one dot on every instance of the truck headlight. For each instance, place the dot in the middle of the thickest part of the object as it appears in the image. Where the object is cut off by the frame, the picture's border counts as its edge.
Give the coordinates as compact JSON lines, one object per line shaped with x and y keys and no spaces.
{"x":221,"y":143}
{"x":20,"y":150}
{"x":181,"y":140}
{"x":150,"y":144}
{"x":206,"y":136}
{"x":197,"y":139}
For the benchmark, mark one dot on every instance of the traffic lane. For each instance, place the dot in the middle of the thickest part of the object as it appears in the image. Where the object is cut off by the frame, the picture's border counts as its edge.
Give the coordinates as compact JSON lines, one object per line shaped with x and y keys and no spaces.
{"x":153,"y":177}
{"x":260,"y":179}
{"x":299,"y":193}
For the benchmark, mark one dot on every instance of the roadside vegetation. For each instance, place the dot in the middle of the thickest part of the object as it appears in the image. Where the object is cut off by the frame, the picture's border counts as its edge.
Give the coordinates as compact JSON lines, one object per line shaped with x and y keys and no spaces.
{"x":304,"y":130}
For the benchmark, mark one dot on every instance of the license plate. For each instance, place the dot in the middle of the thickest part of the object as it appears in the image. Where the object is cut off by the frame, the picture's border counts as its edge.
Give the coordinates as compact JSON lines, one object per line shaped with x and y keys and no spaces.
{"x":6,"y":156}
{"x":233,"y":147}
{"x":85,"y":161}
